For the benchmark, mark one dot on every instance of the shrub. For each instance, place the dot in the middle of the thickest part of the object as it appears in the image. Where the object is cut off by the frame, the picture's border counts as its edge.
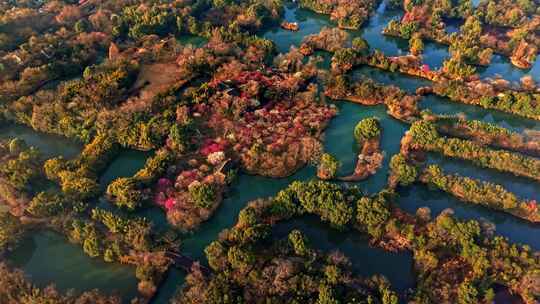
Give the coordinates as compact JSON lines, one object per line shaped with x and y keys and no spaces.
{"x":373,"y":213}
{"x":405,"y":173}
{"x":328,"y":166}
{"x":203,"y":195}
{"x":125,"y":192}
{"x":299,"y":243}
{"x":416,"y":45}
{"x":366,"y":129}
{"x":45,"y":204}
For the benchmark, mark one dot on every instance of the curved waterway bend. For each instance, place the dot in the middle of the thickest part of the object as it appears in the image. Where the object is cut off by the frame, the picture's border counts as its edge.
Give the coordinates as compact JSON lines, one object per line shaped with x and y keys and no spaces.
{"x":126,"y":164}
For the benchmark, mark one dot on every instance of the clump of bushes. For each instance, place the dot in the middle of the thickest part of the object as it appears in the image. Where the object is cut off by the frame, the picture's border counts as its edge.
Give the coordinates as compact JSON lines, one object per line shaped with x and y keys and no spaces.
{"x":366,"y":129}
{"x":401,"y":171}
{"x":126,"y":192}
{"x":328,"y":167}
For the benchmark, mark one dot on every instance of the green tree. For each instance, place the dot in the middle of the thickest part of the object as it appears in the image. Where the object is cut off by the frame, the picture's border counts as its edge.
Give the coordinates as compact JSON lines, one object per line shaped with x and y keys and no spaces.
{"x":81,"y":26}
{"x":77,"y":186}
{"x":17,"y":146}
{"x":180,"y":136}
{"x":408,"y":29}
{"x":326,"y":295}
{"x":299,"y":243}
{"x":203,"y":195}
{"x":424,"y":132}
{"x":240,"y":258}
{"x":11,"y":231}
{"x":373,"y":213}
{"x":406,"y":174}
{"x":328,"y":166}
{"x":326,"y":200}
{"x":46,"y":204}
{"x":216,"y":255}
{"x":467,"y":293}
{"x":416,"y":45}
{"x":53,"y":167}
{"x":126,"y":192}
{"x":91,"y":243}
{"x":366,"y":129}
{"x":360,"y":45}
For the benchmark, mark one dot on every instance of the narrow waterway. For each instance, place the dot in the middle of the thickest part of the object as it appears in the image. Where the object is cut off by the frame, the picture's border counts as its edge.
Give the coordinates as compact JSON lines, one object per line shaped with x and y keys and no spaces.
{"x":405,"y":82}
{"x":513,"y":228}
{"x":521,"y":186}
{"x":444,"y":106}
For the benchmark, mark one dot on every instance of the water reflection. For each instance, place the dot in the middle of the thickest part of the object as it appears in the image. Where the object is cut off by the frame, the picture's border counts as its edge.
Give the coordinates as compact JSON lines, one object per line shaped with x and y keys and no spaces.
{"x":521,"y":186}
{"x":515,"y":229}
{"x":126,"y":164}
{"x":49,"y":145}
{"x":443,"y":105}
{"x":48,"y":257}
{"x":366,"y":261}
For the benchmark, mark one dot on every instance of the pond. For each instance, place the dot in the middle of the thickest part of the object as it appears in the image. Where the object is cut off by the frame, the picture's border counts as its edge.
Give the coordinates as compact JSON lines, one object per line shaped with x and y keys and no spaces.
{"x":49,"y":145}
{"x":47,"y":257}
{"x":366,"y":260}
